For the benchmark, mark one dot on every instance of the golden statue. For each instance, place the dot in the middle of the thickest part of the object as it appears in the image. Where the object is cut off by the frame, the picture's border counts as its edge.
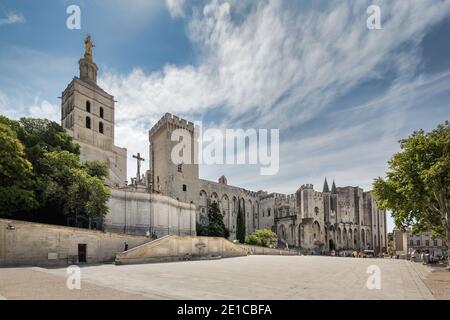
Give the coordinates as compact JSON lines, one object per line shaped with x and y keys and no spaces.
{"x":88,"y":46}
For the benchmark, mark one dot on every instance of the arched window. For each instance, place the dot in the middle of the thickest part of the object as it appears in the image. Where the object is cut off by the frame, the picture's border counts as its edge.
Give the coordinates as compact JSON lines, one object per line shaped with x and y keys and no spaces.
{"x":101,"y":113}
{"x":100,"y":127}
{"x":88,"y":122}
{"x":88,"y":106}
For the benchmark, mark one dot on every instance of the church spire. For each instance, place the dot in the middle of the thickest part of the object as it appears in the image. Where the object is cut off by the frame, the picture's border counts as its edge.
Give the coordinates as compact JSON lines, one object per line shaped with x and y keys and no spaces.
{"x":88,"y":68}
{"x":325,"y":186}
{"x":333,"y":188}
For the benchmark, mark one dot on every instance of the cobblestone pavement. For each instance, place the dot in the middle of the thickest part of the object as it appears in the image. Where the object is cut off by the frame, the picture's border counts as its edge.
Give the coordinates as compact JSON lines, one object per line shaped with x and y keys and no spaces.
{"x":253,"y":277}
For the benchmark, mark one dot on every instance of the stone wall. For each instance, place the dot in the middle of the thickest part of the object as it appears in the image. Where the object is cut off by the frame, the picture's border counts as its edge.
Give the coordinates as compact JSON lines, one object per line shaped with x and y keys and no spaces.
{"x":228,"y":198}
{"x":27,"y":243}
{"x":175,"y":248}
{"x":136,"y":212}
{"x":258,"y":250}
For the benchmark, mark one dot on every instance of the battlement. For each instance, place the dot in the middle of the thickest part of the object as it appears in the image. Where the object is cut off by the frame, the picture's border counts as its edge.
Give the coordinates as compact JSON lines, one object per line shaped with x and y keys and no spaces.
{"x":307,"y":186}
{"x":250,"y":193}
{"x":171,"y":122}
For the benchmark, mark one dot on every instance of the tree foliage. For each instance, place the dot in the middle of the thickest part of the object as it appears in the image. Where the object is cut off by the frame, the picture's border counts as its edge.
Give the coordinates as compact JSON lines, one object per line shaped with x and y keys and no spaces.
{"x":97,"y":169}
{"x":16,"y":175}
{"x":216,"y":226}
{"x":240,"y":232}
{"x":417,"y":185}
{"x":265,"y":238}
{"x":86,"y":196}
{"x":60,"y":184}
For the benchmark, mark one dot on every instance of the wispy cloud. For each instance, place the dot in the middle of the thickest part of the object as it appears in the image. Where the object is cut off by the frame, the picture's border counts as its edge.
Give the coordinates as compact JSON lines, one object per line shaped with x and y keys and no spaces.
{"x":272,"y":64}
{"x":278,"y":61}
{"x":176,"y":7}
{"x":12,"y":18}
{"x":25,"y":106}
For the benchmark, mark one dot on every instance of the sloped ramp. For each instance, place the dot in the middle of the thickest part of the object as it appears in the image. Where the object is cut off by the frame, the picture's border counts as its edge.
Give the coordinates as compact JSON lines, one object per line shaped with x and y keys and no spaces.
{"x":177,"y":248}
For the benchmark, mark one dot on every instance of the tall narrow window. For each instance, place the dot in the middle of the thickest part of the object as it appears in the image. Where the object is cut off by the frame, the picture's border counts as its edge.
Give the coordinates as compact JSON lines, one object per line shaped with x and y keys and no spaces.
{"x":180,"y":168}
{"x":88,"y":122}
{"x":101,"y":113}
{"x":100,"y":127}
{"x":88,"y":106}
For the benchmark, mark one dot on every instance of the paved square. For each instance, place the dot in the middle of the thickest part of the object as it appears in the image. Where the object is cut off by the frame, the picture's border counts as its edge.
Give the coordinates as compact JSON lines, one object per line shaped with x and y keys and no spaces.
{"x":253,"y":277}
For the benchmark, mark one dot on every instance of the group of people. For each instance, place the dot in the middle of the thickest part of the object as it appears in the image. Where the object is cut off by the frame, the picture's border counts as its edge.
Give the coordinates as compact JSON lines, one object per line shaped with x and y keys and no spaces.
{"x":427,"y":256}
{"x":350,"y":253}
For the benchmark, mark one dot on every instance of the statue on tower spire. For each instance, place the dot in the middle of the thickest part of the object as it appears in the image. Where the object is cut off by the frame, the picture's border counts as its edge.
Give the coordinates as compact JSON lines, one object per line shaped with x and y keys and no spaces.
{"x":88,"y":47}
{"x":88,"y":68}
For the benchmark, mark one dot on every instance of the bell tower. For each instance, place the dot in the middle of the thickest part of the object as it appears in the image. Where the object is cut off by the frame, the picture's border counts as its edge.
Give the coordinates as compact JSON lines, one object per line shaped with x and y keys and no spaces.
{"x":87,"y":113}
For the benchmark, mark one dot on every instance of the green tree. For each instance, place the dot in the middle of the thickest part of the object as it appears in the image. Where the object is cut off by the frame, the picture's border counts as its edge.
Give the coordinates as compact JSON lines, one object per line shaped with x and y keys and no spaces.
{"x":265,"y":238}
{"x":66,"y":186}
{"x":87,"y":196}
{"x":417,"y":185}
{"x":253,"y":240}
{"x":16,"y":194}
{"x":202,"y":231}
{"x":216,"y":226}
{"x":45,"y":134}
{"x":97,"y":169}
{"x":240,"y":232}
{"x":62,"y":185}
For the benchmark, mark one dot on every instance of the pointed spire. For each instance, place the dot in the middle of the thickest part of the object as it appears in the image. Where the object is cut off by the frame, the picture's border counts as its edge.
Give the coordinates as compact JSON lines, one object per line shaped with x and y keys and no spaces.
{"x":325,"y":186}
{"x":333,"y":188}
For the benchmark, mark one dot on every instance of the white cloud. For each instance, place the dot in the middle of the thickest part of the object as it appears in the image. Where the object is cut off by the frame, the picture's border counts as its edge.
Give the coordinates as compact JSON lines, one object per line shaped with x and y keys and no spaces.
{"x":5,"y":105}
{"x":176,"y":7}
{"x":45,"y":109}
{"x":18,"y":107}
{"x":268,"y":64}
{"x":276,"y":61}
{"x":12,"y":18}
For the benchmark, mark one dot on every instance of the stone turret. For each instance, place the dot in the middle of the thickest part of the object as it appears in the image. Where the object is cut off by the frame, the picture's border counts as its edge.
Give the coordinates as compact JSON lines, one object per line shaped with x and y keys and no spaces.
{"x":333,"y":188}
{"x":325,"y":186}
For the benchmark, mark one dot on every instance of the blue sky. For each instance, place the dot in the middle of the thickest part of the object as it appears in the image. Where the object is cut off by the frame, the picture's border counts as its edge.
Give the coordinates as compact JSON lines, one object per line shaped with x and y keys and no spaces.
{"x":342,"y":95}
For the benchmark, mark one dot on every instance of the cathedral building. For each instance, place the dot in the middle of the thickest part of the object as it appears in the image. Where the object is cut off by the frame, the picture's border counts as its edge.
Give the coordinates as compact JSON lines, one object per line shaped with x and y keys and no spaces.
{"x":334,"y":219}
{"x":172,"y":198}
{"x":87,"y":114}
